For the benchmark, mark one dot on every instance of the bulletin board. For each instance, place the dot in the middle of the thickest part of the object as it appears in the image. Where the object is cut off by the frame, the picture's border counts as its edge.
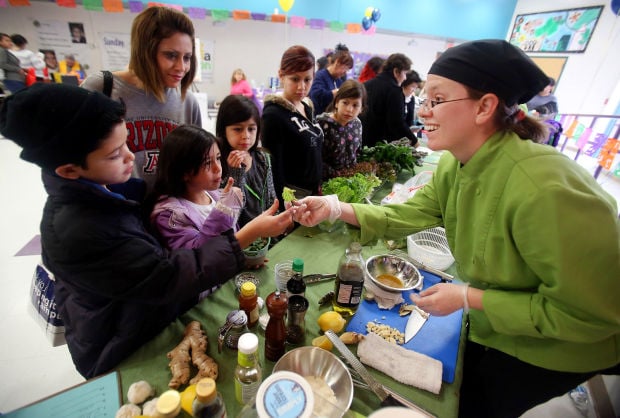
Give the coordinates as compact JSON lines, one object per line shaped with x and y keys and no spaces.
{"x":552,"y":66}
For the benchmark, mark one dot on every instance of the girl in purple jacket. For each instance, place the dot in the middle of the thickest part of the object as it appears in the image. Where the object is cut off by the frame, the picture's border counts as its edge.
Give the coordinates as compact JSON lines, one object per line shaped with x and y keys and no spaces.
{"x":190,"y":208}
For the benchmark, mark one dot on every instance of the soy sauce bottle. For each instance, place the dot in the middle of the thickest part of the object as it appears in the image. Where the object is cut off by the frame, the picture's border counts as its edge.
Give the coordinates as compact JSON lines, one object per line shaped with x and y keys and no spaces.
{"x":296,"y":285}
{"x":349,"y":281}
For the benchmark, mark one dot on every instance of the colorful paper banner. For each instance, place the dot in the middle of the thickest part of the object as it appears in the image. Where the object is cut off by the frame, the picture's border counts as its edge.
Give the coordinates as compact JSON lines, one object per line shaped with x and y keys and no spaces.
{"x":197,"y":13}
{"x":66,"y":3}
{"x":316,"y":24}
{"x":371,"y":31}
{"x":354,"y":28}
{"x":336,"y":26}
{"x":241,"y":14}
{"x":19,"y":3}
{"x":94,"y":5}
{"x":113,"y":6}
{"x":174,"y":6}
{"x":594,"y":148}
{"x":571,"y":129}
{"x":608,"y":153}
{"x":278,"y":18}
{"x":258,"y":16}
{"x":219,"y":15}
{"x":297,"y":21}
{"x":583,"y":139}
{"x":135,"y":6}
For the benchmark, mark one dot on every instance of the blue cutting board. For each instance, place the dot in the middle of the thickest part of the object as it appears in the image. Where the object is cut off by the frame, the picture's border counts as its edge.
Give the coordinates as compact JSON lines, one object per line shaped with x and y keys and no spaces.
{"x":438,"y":338}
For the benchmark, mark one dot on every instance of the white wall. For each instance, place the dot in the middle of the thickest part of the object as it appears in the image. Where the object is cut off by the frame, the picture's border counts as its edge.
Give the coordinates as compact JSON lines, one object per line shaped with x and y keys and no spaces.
{"x":586,"y":86}
{"x":589,"y":78}
{"x":254,"y":46}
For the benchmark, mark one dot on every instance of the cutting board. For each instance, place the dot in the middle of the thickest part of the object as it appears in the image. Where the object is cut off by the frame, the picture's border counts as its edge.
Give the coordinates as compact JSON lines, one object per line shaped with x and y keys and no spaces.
{"x":438,"y":338}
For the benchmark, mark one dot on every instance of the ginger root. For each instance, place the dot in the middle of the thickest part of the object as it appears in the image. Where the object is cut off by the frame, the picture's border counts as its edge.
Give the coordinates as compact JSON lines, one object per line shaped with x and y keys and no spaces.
{"x":194,"y":340}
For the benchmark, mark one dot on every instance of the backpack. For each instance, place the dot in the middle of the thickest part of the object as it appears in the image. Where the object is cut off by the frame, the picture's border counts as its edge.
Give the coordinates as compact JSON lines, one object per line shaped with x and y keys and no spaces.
{"x":555,"y":132}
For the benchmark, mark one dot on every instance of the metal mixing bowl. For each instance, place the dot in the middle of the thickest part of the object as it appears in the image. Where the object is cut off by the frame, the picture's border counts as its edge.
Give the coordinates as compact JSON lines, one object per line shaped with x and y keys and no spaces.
{"x":314,"y":361}
{"x":395,"y":266}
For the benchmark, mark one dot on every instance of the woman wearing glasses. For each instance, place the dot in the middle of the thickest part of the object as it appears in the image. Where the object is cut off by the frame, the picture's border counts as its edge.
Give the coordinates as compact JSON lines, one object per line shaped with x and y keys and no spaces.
{"x":541,"y":276}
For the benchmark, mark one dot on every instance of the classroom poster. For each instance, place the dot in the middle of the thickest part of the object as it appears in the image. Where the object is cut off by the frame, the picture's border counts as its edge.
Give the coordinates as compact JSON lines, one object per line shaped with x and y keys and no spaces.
{"x":115,"y":50}
{"x":56,"y":39}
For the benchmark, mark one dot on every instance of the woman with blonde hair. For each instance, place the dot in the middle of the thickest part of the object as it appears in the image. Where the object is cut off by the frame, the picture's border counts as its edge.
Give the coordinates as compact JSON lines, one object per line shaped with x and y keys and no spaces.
{"x":239,"y":84}
{"x":155,"y":86}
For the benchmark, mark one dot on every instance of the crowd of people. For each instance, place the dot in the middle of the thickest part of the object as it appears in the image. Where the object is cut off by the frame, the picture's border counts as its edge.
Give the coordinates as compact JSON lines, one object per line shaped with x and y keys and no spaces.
{"x":148,"y":213}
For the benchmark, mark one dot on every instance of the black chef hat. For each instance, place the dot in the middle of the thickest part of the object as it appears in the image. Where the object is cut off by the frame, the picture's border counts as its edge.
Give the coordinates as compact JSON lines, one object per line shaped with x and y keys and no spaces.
{"x":57,"y":124}
{"x":494,"y":66}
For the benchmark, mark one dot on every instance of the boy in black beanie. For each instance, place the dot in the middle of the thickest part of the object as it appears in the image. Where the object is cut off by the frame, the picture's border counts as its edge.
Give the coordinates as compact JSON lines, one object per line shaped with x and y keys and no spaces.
{"x":115,"y":285}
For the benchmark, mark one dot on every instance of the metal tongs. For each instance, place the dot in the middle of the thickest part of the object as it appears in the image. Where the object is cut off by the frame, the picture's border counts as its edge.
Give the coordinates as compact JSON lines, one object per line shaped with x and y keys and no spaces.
{"x":387,"y":396}
{"x":318,"y":277}
{"x":445,"y":277}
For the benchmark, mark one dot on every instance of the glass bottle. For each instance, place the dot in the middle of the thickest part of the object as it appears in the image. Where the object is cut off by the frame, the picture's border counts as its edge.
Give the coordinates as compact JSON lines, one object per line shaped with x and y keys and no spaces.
{"x":248,"y":374}
{"x":296,"y":285}
{"x":248,"y":302}
{"x":208,"y":402}
{"x":349,"y":281}
{"x":275,"y":333}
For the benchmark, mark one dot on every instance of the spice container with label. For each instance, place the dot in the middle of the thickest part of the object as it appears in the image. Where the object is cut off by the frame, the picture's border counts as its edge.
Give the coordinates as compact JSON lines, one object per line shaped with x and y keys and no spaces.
{"x":248,"y":302}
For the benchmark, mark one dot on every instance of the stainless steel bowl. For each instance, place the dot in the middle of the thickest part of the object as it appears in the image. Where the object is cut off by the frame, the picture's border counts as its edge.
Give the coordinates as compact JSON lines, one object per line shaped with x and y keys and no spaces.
{"x":314,"y":361}
{"x":396,"y":266}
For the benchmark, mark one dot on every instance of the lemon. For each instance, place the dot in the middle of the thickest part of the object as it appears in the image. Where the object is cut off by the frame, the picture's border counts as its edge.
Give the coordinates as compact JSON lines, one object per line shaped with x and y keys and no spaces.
{"x":331,"y":320}
{"x":323,"y":342}
{"x":187,"y":398}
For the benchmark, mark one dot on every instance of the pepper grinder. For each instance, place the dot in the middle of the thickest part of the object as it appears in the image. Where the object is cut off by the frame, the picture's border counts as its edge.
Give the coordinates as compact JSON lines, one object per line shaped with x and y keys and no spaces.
{"x":275,"y":333}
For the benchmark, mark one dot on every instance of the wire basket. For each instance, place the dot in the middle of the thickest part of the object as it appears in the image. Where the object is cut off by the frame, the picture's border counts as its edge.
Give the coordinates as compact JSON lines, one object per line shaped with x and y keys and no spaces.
{"x":430,"y":247}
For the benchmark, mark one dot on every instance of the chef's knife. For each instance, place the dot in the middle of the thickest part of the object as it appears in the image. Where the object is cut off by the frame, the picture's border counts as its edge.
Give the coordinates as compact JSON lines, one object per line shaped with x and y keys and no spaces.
{"x":317,"y":277}
{"x":386,"y":398}
{"x":415,"y":322}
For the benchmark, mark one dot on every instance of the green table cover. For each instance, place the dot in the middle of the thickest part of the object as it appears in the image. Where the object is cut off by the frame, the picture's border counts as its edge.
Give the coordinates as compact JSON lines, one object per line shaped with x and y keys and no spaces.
{"x":321,"y":252}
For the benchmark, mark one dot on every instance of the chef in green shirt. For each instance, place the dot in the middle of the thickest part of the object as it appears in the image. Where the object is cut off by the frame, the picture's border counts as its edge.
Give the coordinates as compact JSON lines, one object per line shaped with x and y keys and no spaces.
{"x":536,"y":240}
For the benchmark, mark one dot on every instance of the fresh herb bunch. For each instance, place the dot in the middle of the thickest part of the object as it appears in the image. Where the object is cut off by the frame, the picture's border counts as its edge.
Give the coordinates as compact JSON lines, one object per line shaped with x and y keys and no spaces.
{"x":257,"y":245}
{"x":401,"y":154}
{"x":351,"y":189}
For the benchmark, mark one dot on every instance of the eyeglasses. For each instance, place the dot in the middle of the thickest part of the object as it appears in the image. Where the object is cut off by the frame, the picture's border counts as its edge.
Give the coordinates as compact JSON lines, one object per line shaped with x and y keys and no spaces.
{"x":433,"y":103}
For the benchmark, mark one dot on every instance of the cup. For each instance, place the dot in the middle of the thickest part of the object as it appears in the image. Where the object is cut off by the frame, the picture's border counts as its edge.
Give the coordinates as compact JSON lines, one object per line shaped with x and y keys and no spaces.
{"x":283,"y":272}
{"x":296,"y":319}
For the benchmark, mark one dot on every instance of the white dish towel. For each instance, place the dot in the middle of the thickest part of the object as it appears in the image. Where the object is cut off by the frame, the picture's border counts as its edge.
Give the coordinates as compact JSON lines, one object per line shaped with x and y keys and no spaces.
{"x":406,"y":366}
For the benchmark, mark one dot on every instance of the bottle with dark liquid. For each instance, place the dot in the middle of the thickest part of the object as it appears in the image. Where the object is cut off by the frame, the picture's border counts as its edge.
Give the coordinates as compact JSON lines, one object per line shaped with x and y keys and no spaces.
{"x":275,"y":333}
{"x":349,"y":281}
{"x":296,"y":285}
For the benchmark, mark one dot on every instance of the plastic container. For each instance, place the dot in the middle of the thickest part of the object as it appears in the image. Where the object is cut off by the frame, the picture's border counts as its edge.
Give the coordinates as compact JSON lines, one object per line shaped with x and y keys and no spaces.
{"x":430,"y":247}
{"x":285,"y":394}
{"x":168,"y":404}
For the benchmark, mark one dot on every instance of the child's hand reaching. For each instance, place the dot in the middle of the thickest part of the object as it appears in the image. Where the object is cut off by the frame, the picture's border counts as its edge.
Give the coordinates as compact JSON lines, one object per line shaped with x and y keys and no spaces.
{"x":239,"y":159}
{"x":267,"y":224}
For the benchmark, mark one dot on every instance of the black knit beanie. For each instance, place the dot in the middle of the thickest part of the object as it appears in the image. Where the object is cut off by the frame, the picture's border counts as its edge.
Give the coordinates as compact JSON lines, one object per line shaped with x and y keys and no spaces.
{"x":492,"y":66}
{"x":57,"y":124}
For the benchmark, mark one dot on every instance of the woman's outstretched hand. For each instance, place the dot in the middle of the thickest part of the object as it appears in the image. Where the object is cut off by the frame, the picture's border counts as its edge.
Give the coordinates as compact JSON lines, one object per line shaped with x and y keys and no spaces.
{"x":311,"y":210}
